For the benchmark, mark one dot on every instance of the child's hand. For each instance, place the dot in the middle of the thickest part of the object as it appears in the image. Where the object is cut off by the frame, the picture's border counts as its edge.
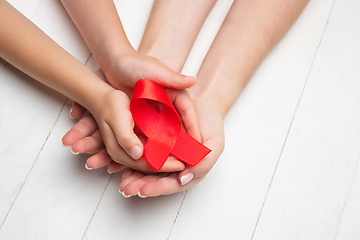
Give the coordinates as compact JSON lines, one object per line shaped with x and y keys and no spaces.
{"x":124,"y":71}
{"x":85,"y":137}
{"x":150,"y":185}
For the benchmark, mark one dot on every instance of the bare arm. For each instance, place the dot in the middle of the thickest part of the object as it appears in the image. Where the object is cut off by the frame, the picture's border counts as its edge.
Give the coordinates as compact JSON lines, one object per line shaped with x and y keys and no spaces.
{"x":172,"y":29}
{"x":100,"y":26}
{"x":26,"y":47}
{"x":249,"y":32}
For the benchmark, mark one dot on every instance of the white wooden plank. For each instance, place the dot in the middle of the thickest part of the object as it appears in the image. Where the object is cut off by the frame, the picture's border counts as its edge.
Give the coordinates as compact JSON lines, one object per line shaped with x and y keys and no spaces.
{"x":26,"y":7}
{"x":28,"y":113}
{"x":226,"y":205}
{"x":53,"y":19}
{"x":350,"y":220}
{"x":133,"y":218}
{"x":206,"y":37}
{"x":134,"y":15}
{"x":24,"y":110}
{"x":316,"y":168}
{"x":59,"y":196}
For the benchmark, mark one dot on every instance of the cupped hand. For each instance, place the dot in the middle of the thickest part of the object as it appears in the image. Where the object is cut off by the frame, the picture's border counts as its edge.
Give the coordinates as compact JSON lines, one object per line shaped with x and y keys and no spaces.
{"x":150,"y":185}
{"x":85,"y":136}
{"x":125,"y":70}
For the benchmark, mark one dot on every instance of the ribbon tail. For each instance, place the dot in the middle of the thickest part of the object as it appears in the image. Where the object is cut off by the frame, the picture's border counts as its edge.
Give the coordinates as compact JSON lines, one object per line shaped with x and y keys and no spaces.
{"x":188,"y":150}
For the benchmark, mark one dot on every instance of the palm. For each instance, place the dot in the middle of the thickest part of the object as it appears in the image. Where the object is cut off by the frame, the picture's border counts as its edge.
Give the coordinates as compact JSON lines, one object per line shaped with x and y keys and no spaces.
{"x":211,"y":127}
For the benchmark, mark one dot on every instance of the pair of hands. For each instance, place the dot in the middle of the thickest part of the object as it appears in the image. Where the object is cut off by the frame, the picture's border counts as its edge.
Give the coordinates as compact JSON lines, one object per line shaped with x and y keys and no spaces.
{"x":112,"y":126}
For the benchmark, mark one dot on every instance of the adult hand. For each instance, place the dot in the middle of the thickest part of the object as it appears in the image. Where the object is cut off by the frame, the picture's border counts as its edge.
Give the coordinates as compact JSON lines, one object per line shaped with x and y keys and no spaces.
{"x":85,"y":137}
{"x":150,"y":185}
{"x":125,"y":70}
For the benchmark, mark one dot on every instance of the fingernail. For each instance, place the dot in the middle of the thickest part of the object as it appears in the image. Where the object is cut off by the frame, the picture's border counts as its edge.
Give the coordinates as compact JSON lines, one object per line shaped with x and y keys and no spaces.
{"x":87,"y":167}
{"x":64,"y":144}
{"x":109,"y":171}
{"x":75,"y":153}
{"x":71,"y":109}
{"x":186,"y":178}
{"x":135,"y":152}
{"x":125,"y":196}
{"x":141,"y":195}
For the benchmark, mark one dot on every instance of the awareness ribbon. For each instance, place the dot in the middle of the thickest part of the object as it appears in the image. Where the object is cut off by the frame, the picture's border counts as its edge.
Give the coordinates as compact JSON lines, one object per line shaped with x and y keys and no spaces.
{"x":162,"y":129}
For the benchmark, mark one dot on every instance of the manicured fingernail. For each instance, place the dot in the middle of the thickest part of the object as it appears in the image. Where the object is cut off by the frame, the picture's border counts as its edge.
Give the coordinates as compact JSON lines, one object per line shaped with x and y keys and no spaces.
{"x":141,"y":195}
{"x":64,"y":144}
{"x":109,"y":171}
{"x":125,"y":196}
{"x":75,"y":153}
{"x":186,"y":178}
{"x":135,"y":152}
{"x":87,"y":167}
{"x":71,"y":109}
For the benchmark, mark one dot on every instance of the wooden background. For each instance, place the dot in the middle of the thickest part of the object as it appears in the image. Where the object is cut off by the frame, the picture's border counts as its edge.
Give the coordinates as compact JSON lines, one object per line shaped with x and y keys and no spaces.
{"x":289,"y":169}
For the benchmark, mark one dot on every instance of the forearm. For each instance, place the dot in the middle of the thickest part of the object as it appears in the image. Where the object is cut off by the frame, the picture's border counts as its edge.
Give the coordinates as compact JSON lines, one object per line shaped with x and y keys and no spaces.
{"x":172,"y":29}
{"x":26,"y":47}
{"x":100,"y":26}
{"x":248,"y":33}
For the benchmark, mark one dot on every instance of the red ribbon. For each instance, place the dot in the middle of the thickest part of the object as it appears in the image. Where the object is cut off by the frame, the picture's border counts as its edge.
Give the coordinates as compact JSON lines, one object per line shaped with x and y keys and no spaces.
{"x":162,"y":129}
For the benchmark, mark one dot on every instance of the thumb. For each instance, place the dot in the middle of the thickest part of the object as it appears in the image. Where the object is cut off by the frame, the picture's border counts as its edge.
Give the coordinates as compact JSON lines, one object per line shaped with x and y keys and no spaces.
{"x":169,"y":78}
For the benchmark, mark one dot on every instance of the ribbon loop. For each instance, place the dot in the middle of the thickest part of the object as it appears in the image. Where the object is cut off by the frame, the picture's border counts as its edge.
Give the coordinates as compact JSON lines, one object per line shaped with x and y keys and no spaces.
{"x":162,"y":129}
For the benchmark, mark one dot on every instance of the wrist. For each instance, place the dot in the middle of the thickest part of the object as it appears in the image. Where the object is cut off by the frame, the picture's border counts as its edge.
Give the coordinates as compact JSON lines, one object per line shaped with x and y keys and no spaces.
{"x":110,"y":52}
{"x":93,"y":94}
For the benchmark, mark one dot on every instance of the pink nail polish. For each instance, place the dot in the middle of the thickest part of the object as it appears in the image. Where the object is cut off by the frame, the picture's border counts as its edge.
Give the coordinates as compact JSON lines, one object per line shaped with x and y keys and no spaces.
{"x":186,"y":178}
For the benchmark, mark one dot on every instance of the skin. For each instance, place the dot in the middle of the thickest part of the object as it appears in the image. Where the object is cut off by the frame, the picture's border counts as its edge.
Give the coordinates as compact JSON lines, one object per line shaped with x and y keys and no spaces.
{"x":249,"y":32}
{"x":43,"y":59}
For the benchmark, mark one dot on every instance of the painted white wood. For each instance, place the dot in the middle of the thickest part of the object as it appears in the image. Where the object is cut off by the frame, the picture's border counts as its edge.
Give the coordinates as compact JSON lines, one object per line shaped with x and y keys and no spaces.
{"x":316,"y":168}
{"x":227,"y":204}
{"x":52,"y":18}
{"x":28,"y":113}
{"x":29,"y":109}
{"x":350,"y":219}
{"x":133,"y":218}
{"x":59,"y":196}
{"x":313,"y":194}
{"x":206,"y":37}
{"x":26,"y":7}
{"x":134,"y":15}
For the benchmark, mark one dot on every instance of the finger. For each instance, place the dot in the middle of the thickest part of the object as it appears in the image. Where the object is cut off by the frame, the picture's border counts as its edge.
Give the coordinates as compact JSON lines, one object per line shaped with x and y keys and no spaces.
{"x":123,"y":129}
{"x":91,"y":144}
{"x":163,"y":75}
{"x":163,"y":186}
{"x":133,"y":188}
{"x":99,"y":160}
{"x":119,"y":155}
{"x":128,"y":172}
{"x":115,"y":167}
{"x":84,"y":128}
{"x":186,"y":109}
{"x":204,"y":166}
{"x":136,"y":175}
{"x":77,"y":110}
